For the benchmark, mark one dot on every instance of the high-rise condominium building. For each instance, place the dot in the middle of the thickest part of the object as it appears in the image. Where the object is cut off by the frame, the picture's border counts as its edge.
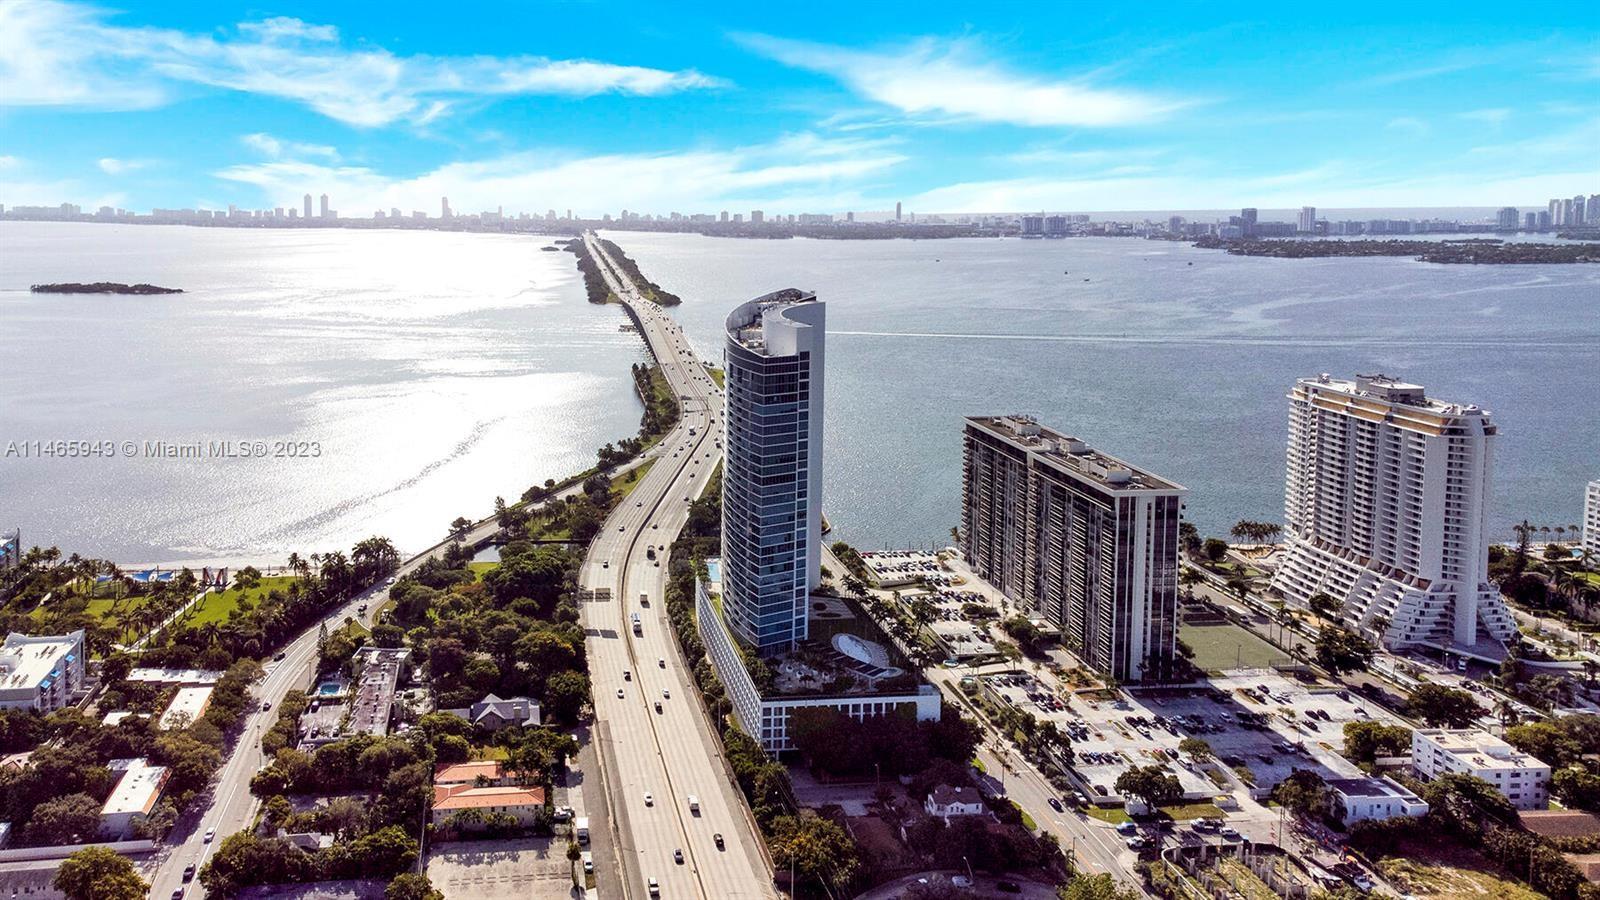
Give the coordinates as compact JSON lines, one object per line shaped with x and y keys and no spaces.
{"x":772,"y":476}
{"x":1307,"y":222}
{"x":1086,"y":540}
{"x":1591,"y":522}
{"x":1386,"y":502}
{"x":308,"y":206}
{"x":1506,"y":219}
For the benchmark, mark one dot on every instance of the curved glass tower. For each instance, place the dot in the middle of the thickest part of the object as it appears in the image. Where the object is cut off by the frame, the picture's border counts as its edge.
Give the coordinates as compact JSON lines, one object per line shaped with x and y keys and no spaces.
{"x":772,"y":477}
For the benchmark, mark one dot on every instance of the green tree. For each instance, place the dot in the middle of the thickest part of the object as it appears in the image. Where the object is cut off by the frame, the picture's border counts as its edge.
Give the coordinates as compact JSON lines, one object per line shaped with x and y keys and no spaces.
{"x":1546,"y":741}
{"x":411,"y":886}
{"x":1366,"y":740}
{"x":1576,"y":787}
{"x":574,"y":853}
{"x":1466,"y":804}
{"x":565,"y":695}
{"x":1197,"y":747}
{"x":1323,"y":605}
{"x":817,"y":848}
{"x":1441,"y":706}
{"x":1214,"y":549}
{"x":1303,"y":792}
{"x":96,"y":873}
{"x":1096,"y":887}
{"x":1151,"y":784}
{"x":70,"y":819}
{"x":1340,"y":650}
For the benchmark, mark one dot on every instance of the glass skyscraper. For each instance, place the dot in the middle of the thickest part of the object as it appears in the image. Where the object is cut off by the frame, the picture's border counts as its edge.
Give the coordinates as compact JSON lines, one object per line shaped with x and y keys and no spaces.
{"x":772,"y":476}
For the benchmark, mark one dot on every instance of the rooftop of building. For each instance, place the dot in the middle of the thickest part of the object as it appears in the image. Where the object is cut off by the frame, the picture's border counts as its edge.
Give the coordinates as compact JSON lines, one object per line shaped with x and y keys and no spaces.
{"x":1393,"y":391}
{"x":188,"y":701}
{"x":744,"y":324}
{"x":380,"y":673}
{"x":1480,"y":748}
{"x":1070,"y":454}
{"x":29,"y":660}
{"x":1560,"y":822}
{"x":466,"y":772}
{"x":464,"y":796}
{"x":944,"y":795}
{"x":137,"y":790}
{"x":1370,"y":787}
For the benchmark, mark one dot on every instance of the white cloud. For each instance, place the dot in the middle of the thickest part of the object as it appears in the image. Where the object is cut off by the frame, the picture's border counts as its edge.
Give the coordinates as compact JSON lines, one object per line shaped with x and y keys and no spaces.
{"x":275,"y":148}
{"x":802,"y":171}
{"x":113,"y":166}
{"x":951,"y":81}
{"x":1407,"y":125}
{"x":55,"y":53}
{"x":9,"y":162}
{"x":1492,"y":117}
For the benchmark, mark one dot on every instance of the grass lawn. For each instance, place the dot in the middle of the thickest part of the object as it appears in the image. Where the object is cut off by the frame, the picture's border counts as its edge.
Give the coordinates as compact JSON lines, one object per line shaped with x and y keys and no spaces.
{"x":1182,"y":812}
{"x":489,"y":752}
{"x":215,"y":607}
{"x":718,"y":376}
{"x":623,"y":486}
{"x":1227,"y":646}
{"x":1116,"y":815}
{"x":1027,"y":820}
{"x":480,"y":569}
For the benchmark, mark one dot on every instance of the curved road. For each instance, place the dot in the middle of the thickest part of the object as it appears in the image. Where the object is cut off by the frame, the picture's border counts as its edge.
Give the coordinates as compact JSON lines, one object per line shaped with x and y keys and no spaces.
{"x":672,"y":754}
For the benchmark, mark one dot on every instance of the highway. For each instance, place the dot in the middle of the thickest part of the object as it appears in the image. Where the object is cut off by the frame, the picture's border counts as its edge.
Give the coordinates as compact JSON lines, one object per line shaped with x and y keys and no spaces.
{"x":656,"y":745}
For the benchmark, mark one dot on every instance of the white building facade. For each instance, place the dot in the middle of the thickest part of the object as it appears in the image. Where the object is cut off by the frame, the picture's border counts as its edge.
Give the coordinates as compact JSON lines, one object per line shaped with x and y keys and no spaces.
{"x":1591,"y":522}
{"x":1386,"y":504}
{"x":1521,"y":778}
{"x":1353,"y":800}
{"x":40,"y":672}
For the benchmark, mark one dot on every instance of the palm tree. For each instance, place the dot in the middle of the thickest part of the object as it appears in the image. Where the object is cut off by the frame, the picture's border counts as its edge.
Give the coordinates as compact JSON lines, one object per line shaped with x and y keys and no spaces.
{"x":574,"y":853}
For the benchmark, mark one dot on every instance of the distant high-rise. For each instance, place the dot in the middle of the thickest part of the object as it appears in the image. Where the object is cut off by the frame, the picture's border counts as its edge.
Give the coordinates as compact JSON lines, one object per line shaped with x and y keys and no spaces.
{"x":1307,"y":222}
{"x":772,"y":475}
{"x":1506,"y":219}
{"x":757,"y":217}
{"x":724,"y":217}
{"x":1386,"y":501}
{"x":1530,"y":221}
{"x":324,"y":207}
{"x":1555,"y":212}
{"x":1086,"y":540}
{"x":1579,"y":210}
{"x":1247,"y":221}
{"x":308,"y":206}
{"x":1592,"y":215}
{"x":1566,"y":213}
{"x":1544,"y":220}
{"x":897,"y":210}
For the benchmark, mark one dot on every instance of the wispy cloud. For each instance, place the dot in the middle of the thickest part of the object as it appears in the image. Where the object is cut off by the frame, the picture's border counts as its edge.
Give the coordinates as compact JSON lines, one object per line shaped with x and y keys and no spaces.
{"x":1410,"y":126}
{"x":275,"y":148}
{"x":9,"y":162}
{"x":113,"y":166}
{"x":60,"y":54}
{"x":800,"y":169}
{"x":1494,"y":117}
{"x":941,"y":81}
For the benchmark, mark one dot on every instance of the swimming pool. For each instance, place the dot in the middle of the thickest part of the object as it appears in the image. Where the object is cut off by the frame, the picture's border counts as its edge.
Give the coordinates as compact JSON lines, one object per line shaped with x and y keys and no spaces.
{"x":714,"y":569}
{"x":329,"y":688}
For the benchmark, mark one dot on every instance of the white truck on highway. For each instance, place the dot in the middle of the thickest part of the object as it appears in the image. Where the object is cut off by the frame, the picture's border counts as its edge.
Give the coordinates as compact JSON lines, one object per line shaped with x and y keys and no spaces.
{"x":580,"y":828}
{"x":638,"y":625}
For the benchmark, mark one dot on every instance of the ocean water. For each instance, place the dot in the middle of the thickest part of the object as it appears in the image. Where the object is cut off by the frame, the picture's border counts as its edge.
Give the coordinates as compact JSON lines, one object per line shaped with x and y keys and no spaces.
{"x":1176,"y":359}
{"x":433,"y":371}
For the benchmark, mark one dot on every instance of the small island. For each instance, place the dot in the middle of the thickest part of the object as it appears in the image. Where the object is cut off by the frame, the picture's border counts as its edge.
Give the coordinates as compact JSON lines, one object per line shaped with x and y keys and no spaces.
{"x":1473,"y":251}
{"x":102,"y":287}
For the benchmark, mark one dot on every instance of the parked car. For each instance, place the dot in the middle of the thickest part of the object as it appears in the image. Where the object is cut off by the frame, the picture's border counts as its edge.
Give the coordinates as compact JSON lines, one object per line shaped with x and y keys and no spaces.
{"x":1126,"y":828}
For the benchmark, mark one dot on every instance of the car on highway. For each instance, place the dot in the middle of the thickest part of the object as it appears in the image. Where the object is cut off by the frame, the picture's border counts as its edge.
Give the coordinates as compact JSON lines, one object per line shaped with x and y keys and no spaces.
{"x":177,"y":894}
{"x":627,"y":675}
{"x":655,"y":889}
{"x":717,"y":839}
{"x":649,"y":799}
{"x":211,"y":834}
{"x":279,"y":656}
{"x":1056,"y":805}
{"x":666,"y":694}
{"x":605,"y":564}
{"x":658,"y":706}
{"x":619,"y":693}
{"x":677,"y":857}
{"x":266,"y":705}
{"x":1136,"y":843}
{"x":662,"y":662}
{"x":188,"y":872}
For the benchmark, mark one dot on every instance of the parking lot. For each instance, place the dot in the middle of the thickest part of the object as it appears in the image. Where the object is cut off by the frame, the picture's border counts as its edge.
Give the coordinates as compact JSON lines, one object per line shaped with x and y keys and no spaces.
{"x":522,"y":867}
{"x":1262,"y":721}
{"x":893,"y":568}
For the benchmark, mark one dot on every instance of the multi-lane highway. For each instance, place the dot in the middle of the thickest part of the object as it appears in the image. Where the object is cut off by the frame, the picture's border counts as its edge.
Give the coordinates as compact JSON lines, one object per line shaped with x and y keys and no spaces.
{"x":656,"y":745}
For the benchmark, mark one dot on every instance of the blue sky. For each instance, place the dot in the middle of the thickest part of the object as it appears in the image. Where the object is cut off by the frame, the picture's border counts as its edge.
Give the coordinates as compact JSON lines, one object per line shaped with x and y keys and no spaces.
{"x":816,"y":106}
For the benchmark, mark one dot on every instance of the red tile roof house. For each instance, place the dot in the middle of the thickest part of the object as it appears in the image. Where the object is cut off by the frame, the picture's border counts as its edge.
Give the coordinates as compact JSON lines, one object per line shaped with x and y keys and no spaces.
{"x":473,"y":795}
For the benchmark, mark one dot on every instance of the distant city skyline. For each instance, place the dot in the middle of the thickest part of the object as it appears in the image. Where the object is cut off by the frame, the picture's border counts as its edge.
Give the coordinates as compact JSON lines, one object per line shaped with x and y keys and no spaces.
{"x":743,"y":107}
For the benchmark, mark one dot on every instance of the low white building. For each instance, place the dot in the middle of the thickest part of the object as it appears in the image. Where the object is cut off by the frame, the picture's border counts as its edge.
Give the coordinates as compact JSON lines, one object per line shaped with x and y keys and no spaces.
{"x":1353,"y":800}
{"x":40,"y":672}
{"x":186,"y":708}
{"x":133,"y":799}
{"x":1521,"y":778}
{"x":947,"y":802}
